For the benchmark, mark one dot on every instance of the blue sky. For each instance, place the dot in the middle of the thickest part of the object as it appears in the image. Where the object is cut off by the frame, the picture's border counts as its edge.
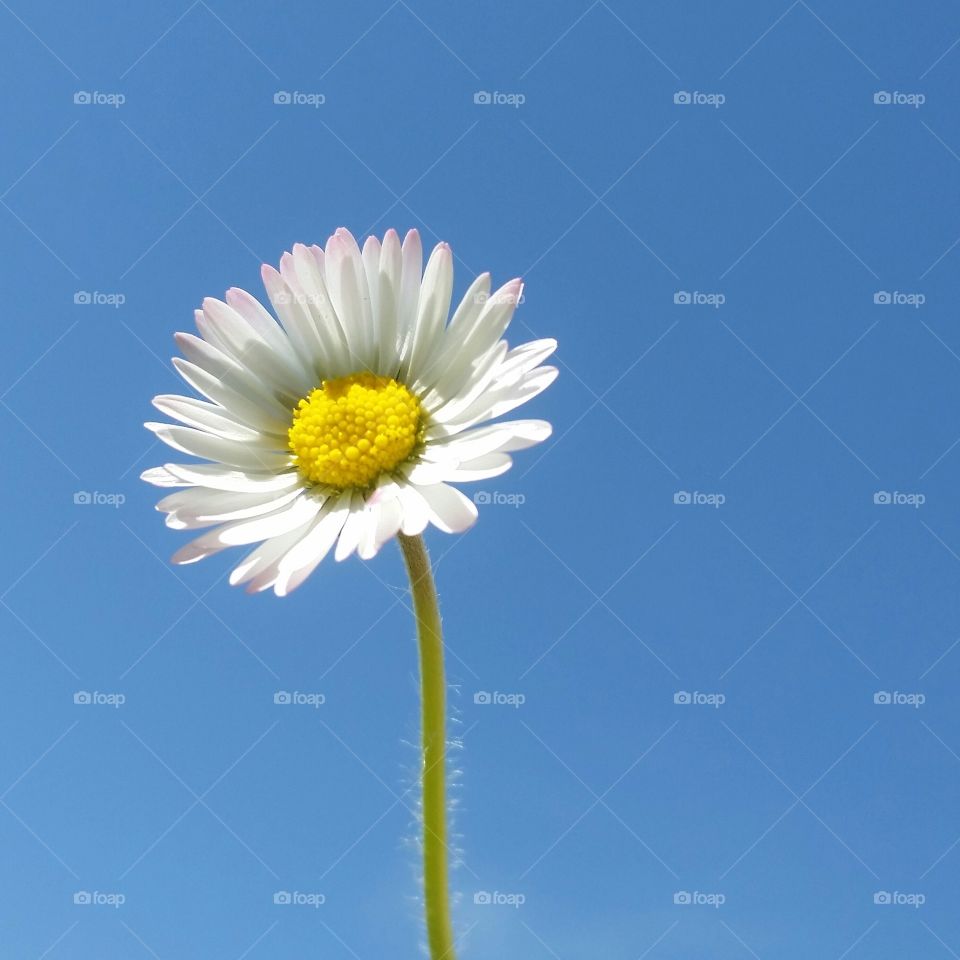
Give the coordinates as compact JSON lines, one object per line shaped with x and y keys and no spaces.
{"x":741,"y":222}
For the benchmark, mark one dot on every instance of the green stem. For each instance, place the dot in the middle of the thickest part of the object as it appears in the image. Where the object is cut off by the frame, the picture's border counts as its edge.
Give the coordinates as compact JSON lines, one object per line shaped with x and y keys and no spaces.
{"x":433,"y":692}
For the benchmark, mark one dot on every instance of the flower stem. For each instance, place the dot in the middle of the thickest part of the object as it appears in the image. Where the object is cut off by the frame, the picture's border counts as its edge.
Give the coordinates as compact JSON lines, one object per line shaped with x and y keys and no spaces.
{"x":433,"y":692}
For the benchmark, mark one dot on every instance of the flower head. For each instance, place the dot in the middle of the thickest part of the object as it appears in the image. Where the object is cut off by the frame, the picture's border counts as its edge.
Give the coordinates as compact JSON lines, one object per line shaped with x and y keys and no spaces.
{"x":346,"y":422}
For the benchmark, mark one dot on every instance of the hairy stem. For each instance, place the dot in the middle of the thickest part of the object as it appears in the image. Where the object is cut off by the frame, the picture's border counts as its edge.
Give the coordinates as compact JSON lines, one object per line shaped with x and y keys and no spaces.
{"x":433,"y":692}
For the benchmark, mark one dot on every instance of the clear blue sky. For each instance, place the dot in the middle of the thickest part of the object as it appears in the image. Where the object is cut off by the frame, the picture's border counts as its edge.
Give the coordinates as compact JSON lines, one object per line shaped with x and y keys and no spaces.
{"x":782,"y":201}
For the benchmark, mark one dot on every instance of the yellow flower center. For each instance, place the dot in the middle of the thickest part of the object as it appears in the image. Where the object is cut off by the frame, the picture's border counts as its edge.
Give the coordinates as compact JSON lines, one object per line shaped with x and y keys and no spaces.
{"x":349,"y":431}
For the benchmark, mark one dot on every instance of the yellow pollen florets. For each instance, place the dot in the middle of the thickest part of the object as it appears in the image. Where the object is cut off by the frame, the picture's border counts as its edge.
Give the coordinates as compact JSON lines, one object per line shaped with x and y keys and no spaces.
{"x":349,"y":431}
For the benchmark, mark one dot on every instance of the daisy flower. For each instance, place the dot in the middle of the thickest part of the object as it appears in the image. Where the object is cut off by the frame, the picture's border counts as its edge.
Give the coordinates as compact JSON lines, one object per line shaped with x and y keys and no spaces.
{"x":346,"y":423}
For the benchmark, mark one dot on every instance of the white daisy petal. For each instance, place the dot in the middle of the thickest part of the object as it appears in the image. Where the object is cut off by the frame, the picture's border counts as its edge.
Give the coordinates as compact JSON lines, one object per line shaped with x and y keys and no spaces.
{"x":242,"y":380}
{"x":383,"y":526}
{"x":254,"y":312}
{"x":209,"y":333}
{"x":476,"y":338}
{"x":427,"y":472}
{"x":489,"y":465}
{"x":353,"y":529}
{"x":218,"y":476}
{"x":466,"y":373}
{"x":238,"y":532}
{"x":481,"y":468}
{"x":366,"y":548}
{"x":290,"y":306}
{"x":469,"y":308}
{"x":447,"y":508}
{"x":204,"y":416}
{"x":464,"y":316}
{"x":347,"y":284}
{"x":415,"y":514}
{"x":243,"y":344}
{"x":309,"y":276}
{"x":411,"y":272}
{"x":535,"y":383}
{"x":524,"y":358}
{"x":493,"y":438}
{"x":388,"y":523}
{"x":161,"y":477}
{"x":200,"y":507}
{"x":432,"y":311}
{"x":251,"y":411}
{"x":371,"y":269}
{"x":388,"y":303}
{"x":262,"y":561}
{"x":299,"y":562}
{"x":496,"y":402}
{"x":284,"y":518}
{"x":463,"y":382}
{"x":247,"y":456}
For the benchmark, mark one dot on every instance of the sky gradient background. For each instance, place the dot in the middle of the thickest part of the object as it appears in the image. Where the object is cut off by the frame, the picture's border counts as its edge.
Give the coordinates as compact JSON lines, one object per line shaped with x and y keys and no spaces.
{"x":782,"y":399}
